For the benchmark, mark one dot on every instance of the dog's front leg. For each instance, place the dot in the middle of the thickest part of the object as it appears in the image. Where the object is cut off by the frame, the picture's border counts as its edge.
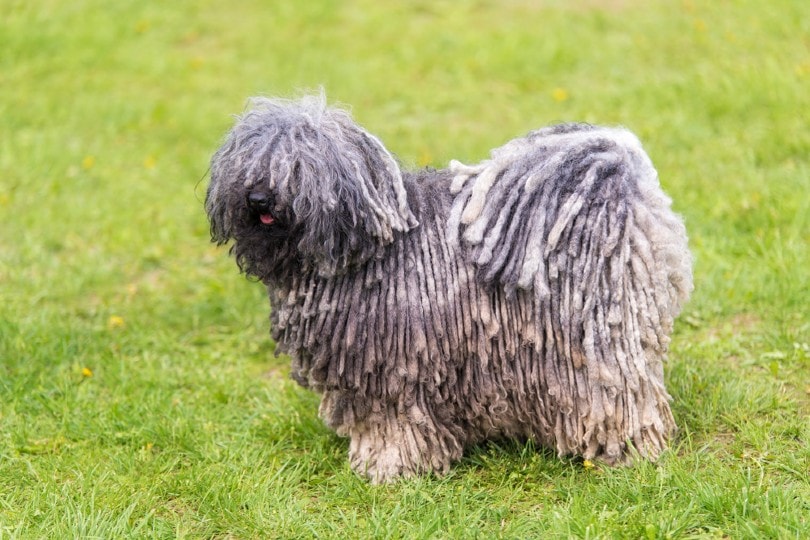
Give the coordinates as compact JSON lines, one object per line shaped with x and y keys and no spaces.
{"x":398,"y":443}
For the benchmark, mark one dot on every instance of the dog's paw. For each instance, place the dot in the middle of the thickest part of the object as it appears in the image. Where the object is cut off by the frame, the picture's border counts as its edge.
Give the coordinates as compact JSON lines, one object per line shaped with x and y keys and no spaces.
{"x":396,"y":449}
{"x":380,"y":461}
{"x":386,"y":466}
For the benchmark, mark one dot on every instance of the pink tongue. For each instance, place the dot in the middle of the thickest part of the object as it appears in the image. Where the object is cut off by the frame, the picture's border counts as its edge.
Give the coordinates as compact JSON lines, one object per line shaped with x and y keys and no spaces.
{"x":267,"y":219}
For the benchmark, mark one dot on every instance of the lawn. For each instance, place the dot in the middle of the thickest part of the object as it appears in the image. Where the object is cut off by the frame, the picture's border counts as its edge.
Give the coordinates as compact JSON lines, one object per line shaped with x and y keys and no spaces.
{"x":139,"y":393}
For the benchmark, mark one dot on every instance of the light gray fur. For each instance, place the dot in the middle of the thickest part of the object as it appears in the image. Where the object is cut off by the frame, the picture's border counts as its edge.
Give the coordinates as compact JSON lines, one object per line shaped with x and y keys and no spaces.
{"x":531,"y":295}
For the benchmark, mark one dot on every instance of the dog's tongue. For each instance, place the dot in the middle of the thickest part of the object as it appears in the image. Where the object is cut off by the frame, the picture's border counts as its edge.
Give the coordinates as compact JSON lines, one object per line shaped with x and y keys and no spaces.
{"x":267,"y":219}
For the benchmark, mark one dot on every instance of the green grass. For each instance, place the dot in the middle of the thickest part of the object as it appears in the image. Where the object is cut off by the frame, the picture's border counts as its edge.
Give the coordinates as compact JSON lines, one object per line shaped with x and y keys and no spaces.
{"x":189,"y":427}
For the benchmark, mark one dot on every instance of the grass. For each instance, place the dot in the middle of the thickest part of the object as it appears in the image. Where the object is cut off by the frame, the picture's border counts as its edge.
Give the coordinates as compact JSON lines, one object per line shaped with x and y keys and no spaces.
{"x":139,"y":397}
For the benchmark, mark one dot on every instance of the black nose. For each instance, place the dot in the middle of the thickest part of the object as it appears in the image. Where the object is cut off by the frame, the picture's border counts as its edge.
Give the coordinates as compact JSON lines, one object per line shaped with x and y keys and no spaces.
{"x":259,"y":201}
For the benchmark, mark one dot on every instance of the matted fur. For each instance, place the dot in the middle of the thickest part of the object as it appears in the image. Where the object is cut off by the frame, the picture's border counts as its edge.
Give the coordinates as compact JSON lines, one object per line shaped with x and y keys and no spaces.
{"x":531,"y":295}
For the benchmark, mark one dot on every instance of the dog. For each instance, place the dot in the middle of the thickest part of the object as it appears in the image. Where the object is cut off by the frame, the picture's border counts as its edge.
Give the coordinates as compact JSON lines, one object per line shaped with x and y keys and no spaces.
{"x":531,"y":295}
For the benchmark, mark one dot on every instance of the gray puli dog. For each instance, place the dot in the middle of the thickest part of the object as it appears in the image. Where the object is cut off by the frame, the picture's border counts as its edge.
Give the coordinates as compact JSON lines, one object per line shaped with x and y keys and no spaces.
{"x":529,"y":296}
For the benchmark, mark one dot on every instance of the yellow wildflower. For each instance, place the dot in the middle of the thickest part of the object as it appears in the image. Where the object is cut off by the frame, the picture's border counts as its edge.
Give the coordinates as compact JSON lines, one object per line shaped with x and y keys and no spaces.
{"x":425,"y":158}
{"x":87,"y":372}
{"x":559,"y":94}
{"x":115,"y":321}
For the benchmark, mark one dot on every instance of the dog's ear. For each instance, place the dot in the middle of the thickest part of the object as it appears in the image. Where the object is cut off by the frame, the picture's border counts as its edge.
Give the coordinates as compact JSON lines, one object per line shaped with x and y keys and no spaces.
{"x":345,"y":188}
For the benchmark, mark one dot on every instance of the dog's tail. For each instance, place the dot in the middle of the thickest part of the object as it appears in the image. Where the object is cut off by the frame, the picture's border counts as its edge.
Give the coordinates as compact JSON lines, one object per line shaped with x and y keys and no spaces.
{"x":574,"y":215}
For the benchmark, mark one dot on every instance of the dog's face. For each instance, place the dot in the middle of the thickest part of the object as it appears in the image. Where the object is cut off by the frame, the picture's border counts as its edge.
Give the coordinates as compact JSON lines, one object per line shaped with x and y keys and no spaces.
{"x":296,"y":184}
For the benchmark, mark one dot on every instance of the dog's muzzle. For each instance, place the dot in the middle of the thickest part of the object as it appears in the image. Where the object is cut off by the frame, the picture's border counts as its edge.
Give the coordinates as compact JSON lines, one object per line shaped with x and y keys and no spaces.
{"x":261,"y":203}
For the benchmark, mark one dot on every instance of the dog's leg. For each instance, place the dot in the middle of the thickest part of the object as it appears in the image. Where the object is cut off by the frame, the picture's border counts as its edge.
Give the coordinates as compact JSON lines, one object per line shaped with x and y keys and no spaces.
{"x":394,"y":444}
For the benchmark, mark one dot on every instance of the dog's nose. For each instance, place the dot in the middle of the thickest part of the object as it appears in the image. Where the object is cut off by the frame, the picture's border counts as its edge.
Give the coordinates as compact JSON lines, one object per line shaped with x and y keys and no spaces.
{"x":259,"y":201}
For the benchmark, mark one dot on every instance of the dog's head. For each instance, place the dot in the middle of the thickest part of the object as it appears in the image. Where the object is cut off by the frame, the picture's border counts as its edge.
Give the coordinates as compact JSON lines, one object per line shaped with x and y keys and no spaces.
{"x":297,"y":183}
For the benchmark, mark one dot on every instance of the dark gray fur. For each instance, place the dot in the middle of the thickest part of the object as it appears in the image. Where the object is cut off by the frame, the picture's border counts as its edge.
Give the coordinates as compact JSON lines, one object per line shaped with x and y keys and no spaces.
{"x":531,"y":295}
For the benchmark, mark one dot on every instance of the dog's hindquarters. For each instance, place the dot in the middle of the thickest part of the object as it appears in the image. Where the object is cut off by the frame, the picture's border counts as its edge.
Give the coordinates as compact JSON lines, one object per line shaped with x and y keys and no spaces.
{"x":574,"y":216}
